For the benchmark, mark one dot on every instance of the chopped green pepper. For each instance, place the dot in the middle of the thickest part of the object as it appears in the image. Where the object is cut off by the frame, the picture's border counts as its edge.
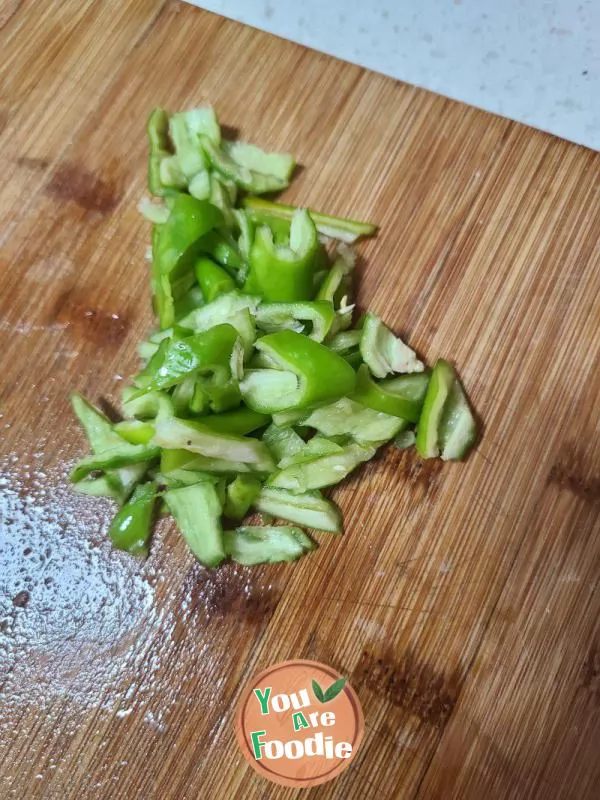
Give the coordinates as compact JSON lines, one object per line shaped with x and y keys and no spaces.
{"x":254,"y":544}
{"x":308,"y":374}
{"x":284,"y":274}
{"x":446,"y":422}
{"x":282,"y":442}
{"x":197,"y":510}
{"x":130,"y":528}
{"x":401,"y":397}
{"x":383,"y":352}
{"x":212,"y":279}
{"x":318,"y":314}
{"x":198,"y":438}
{"x":323,"y":470}
{"x":164,"y":174}
{"x":310,"y":509}
{"x":241,"y":493}
{"x":345,"y":230}
{"x":347,"y":417}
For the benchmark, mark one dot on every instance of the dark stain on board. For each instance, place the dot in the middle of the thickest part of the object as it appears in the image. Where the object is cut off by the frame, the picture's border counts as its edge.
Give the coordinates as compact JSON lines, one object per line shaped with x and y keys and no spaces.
{"x":570,"y":474}
{"x":92,"y":324}
{"x":71,"y":182}
{"x":417,"y":688}
{"x":590,"y":672}
{"x":34,"y":164}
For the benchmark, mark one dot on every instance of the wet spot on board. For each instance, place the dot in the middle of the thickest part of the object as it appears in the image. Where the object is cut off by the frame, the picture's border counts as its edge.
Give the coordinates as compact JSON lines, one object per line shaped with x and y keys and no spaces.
{"x":590,"y":673}
{"x":3,"y":118}
{"x":93,"y":324}
{"x":405,"y":682}
{"x":421,"y":476}
{"x":230,"y":591}
{"x":35,"y":164}
{"x":71,"y":182}
{"x":570,"y":473}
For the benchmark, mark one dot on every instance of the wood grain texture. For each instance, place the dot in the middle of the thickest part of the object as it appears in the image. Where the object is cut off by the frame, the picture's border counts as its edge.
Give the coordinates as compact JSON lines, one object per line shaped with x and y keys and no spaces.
{"x":462,"y":600}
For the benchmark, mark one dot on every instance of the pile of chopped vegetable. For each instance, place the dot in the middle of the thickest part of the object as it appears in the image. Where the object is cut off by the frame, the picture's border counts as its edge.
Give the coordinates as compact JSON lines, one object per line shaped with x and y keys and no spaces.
{"x":257,"y":389}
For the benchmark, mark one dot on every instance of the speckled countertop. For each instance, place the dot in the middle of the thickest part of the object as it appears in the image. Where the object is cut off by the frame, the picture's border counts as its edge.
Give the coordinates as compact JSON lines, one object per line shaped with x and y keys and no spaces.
{"x":536,"y":61}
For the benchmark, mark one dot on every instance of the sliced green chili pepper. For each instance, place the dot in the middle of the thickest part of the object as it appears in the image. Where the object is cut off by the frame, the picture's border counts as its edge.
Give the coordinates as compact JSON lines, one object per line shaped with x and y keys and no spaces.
{"x":345,"y":342}
{"x":295,"y":316}
{"x":279,"y":165}
{"x":130,"y":528}
{"x":222,"y":247}
{"x":254,"y":544}
{"x":102,"y":438}
{"x":346,"y":417}
{"x":284,"y":274}
{"x":238,"y":422}
{"x":164,"y":174}
{"x":323,"y":470}
{"x":245,"y":178}
{"x":310,"y":509}
{"x":177,"y":478}
{"x":174,"y":246}
{"x":145,"y":407}
{"x":198,"y":438}
{"x":122,"y":455}
{"x":345,"y":230}
{"x":212,"y":279}
{"x":446,"y":421}
{"x":405,"y":439}
{"x":336,"y":283}
{"x":282,"y":442}
{"x":438,"y":391}
{"x":383,"y":352}
{"x":189,"y":302}
{"x":246,"y":228}
{"x":241,"y":493}
{"x":458,"y":429}
{"x":200,"y":185}
{"x":310,"y":374}
{"x":100,"y":487}
{"x":208,"y":351}
{"x":316,"y":447}
{"x":197,"y":510}
{"x":135,"y":431}
{"x":190,"y":155}
{"x":231,"y":309}
{"x":400,"y":397}
{"x":153,"y":212}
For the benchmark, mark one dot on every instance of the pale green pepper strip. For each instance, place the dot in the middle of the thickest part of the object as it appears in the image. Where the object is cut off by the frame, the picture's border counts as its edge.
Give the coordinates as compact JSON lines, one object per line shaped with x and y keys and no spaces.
{"x":321,"y":471}
{"x":198,"y":438}
{"x":383,"y":352}
{"x":345,"y":230}
{"x":254,"y":544}
{"x":310,"y":509}
{"x":319,"y":314}
{"x":428,"y":427}
{"x":197,"y":510}
{"x":241,"y":493}
{"x":347,"y":417}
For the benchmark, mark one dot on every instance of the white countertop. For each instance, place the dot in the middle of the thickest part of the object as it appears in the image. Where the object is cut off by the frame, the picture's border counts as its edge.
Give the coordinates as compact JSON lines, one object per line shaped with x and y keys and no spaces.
{"x":535,"y":61}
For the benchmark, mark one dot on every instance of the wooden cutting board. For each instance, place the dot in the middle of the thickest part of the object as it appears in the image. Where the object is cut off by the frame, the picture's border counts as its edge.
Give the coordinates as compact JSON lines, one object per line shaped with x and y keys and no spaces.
{"x":462,"y":600}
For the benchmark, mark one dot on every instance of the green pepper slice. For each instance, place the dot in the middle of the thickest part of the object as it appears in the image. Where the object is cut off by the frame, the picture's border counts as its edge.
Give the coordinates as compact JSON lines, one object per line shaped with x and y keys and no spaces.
{"x":130,"y":528}
{"x":307,"y":374}
{"x":284,"y":274}
{"x":400,"y":397}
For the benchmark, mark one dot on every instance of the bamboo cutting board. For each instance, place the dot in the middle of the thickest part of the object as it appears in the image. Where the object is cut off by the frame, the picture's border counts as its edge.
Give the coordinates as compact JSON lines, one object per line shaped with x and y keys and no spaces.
{"x":462,"y":600}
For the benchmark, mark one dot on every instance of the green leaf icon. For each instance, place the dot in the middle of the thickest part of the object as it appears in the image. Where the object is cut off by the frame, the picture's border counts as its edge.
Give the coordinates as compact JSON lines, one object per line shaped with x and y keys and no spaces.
{"x":318,"y":692}
{"x":335,"y":689}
